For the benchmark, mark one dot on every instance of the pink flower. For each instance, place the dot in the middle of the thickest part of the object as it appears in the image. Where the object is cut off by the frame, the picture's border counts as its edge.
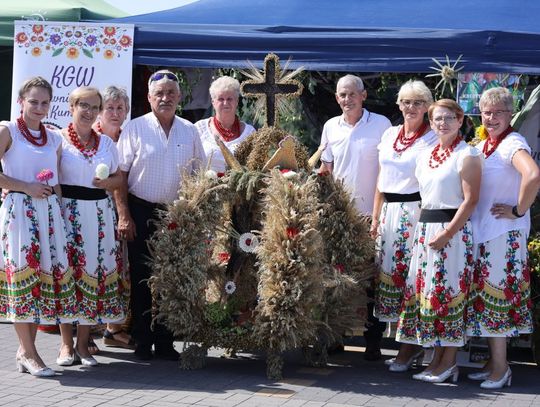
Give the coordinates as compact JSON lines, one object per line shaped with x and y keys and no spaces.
{"x":44,"y":175}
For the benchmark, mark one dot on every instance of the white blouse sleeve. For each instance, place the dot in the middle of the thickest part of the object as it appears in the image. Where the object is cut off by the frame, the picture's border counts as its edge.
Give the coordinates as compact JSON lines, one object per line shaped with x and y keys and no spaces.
{"x":113,"y":151}
{"x":514,"y":143}
{"x":469,"y":151}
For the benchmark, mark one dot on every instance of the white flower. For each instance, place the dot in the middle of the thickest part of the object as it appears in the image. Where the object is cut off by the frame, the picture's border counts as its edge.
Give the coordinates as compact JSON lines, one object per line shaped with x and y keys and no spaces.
{"x":211,"y":174}
{"x":230,"y":287}
{"x":102,"y":171}
{"x":248,"y":242}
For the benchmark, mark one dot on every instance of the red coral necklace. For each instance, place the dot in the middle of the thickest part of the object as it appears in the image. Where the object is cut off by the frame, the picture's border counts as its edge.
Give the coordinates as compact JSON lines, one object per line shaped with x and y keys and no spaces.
{"x":100,"y":130}
{"x":227,"y":134}
{"x":489,"y":147}
{"x":85,"y":151}
{"x":406,"y":142}
{"x":436,"y":159}
{"x":39,"y":141}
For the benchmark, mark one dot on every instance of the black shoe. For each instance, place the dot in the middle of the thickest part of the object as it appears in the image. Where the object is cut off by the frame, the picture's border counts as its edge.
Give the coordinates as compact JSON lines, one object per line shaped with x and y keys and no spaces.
{"x":166,"y":353}
{"x":372,"y":354}
{"x":143,"y":352}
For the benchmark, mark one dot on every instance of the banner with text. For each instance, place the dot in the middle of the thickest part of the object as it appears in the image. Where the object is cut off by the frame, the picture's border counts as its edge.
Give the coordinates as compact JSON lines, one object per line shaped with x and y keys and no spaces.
{"x":70,"y":55}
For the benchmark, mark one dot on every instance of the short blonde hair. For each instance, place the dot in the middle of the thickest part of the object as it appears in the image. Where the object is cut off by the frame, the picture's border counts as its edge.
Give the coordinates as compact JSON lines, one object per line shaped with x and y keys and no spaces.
{"x":84,"y":91}
{"x":224,"y":84}
{"x":497,"y":95}
{"x":416,"y":89}
{"x":448,"y":104}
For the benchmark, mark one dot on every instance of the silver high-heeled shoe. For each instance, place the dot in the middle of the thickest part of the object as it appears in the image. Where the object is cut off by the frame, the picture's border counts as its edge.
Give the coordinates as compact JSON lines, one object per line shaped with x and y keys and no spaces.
{"x":422,"y":375}
{"x":478,"y":375}
{"x":452,"y":371}
{"x":25,"y":365}
{"x":85,"y":361}
{"x":388,"y":362}
{"x":506,"y":380}
{"x":65,"y":360}
{"x":415,"y":359}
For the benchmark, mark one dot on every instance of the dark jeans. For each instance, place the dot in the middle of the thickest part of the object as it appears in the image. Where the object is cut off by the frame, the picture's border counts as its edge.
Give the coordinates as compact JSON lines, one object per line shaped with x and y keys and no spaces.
{"x":141,"y":298}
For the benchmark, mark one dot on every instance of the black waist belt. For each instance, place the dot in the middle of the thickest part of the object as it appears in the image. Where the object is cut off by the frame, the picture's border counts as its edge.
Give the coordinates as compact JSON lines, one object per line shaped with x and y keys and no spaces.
{"x":436,"y":215}
{"x":53,"y":192}
{"x":86,"y":194}
{"x":389,"y":197}
{"x":143,"y":202}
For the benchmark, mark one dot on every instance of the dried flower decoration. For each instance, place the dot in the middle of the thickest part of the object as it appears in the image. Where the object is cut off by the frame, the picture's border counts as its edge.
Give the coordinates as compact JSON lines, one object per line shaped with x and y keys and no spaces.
{"x":248,"y":242}
{"x":446,"y":72}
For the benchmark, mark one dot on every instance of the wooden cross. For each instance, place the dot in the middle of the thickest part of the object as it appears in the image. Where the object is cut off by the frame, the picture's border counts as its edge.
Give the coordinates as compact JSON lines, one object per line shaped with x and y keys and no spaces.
{"x":272,"y":88}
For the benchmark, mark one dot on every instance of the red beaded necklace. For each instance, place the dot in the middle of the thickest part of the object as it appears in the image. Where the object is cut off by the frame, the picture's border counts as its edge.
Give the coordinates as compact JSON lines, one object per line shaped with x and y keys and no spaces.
{"x":74,"y":138}
{"x":406,"y":142}
{"x":439,"y":159}
{"x":227,"y":134}
{"x":100,"y":130}
{"x":39,"y":141}
{"x":489,"y":147}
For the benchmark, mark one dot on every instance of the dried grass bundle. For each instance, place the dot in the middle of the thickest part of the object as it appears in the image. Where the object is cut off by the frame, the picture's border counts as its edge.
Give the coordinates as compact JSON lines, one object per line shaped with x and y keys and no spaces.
{"x":290,"y":261}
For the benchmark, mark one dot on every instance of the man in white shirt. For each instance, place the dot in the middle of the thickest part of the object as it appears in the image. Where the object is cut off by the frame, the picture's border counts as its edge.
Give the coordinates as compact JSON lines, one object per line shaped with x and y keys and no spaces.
{"x":154,"y":150}
{"x":350,"y":153}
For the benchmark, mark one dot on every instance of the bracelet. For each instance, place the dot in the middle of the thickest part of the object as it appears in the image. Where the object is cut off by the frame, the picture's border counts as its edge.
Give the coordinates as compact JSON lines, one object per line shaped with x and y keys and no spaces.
{"x":515,"y":212}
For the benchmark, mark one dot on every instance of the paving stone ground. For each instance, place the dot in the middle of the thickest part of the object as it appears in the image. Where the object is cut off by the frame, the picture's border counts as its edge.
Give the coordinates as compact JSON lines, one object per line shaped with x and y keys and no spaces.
{"x":120,"y":380}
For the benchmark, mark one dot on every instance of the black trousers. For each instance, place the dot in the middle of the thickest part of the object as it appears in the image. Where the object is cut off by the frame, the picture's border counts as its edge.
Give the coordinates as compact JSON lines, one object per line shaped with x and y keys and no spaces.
{"x":374,"y":328}
{"x":141,"y":298}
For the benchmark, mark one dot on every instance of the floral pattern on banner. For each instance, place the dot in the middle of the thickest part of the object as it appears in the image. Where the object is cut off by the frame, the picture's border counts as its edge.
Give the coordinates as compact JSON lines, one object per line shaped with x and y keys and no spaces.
{"x":74,"y":41}
{"x":97,"y":290}
{"x":500,"y":303}
{"x":390,"y":290}
{"x":29,"y":293}
{"x":434,"y":316}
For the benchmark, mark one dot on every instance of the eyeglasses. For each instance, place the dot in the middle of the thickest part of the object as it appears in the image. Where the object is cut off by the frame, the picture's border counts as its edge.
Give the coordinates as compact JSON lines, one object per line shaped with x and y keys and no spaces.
{"x":496,"y":113}
{"x":411,"y":103}
{"x":88,"y":107}
{"x":445,"y":119}
{"x":160,"y":75}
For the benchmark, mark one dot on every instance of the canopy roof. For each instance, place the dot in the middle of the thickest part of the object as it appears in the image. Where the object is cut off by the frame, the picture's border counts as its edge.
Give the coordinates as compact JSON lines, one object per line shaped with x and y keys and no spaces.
{"x":51,"y":10}
{"x":344,"y":35}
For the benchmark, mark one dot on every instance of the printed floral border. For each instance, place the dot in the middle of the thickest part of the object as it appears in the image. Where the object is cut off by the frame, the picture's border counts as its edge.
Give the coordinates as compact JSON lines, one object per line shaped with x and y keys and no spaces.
{"x":74,"y":41}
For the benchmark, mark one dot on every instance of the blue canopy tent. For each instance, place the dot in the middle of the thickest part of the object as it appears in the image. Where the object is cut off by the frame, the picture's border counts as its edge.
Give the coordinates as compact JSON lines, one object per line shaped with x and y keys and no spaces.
{"x":343,"y":35}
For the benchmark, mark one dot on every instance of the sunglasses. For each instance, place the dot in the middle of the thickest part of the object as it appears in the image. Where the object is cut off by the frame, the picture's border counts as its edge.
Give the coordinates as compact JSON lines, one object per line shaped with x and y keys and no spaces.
{"x":160,"y":75}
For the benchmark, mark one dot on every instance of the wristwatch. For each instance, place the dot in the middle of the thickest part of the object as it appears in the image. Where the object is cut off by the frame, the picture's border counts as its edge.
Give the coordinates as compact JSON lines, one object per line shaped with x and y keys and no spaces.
{"x":515,"y":212}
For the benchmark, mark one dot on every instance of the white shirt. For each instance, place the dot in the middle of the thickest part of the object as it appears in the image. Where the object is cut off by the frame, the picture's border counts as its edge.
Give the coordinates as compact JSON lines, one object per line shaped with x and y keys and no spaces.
{"x":23,"y":160}
{"x":440,"y":187}
{"x":211,"y":149}
{"x":77,"y":170}
{"x":154,"y":161}
{"x":353,"y":152}
{"x":500,"y":184}
{"x":396,"y":170}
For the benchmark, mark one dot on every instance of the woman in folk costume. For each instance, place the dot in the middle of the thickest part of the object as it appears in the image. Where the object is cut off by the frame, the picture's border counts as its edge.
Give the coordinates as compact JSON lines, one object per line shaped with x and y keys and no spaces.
{"x":442,"y":261}
{"x":37,"y":284}
{"x":499,"y":305}
{"x":396,"y":207}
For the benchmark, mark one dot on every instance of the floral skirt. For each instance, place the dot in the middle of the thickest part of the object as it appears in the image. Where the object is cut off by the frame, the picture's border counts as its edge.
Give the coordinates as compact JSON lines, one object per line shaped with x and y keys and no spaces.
{"x":36,"y":281}
{"x":437,"y":289}
{"x":96,"y":257}
{"x":394,"y":249}
{"x":500,"y":303}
